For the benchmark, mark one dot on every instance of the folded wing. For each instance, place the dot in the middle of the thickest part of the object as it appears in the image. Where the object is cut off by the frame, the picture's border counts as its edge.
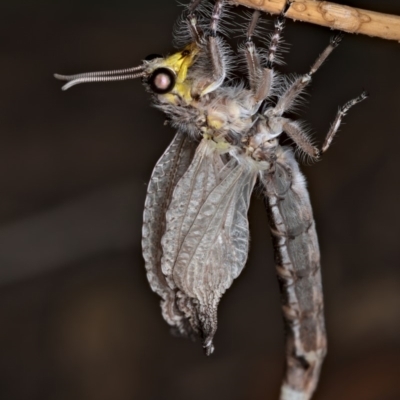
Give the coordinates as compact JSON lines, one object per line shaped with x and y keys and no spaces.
{"x":167,"y":172}
{"x":205,"y":244}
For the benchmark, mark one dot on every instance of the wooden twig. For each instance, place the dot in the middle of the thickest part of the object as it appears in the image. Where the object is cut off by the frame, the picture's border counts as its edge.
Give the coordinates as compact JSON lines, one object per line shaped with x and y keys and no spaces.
{"x":335,"y":16}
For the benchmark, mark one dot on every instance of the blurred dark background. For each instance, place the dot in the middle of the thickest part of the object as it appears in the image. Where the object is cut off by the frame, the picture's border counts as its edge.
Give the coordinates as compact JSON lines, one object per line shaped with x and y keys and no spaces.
{"x":77,"y":317}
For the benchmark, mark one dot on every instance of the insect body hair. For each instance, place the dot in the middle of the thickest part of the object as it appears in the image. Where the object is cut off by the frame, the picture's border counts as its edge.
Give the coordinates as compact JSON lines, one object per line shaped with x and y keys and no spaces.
{"x":237,"y":125}
{"x":229,"y":134}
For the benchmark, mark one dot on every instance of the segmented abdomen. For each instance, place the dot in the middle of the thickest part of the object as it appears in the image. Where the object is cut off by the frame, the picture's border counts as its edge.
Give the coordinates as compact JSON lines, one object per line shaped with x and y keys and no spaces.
{"x":297,"y":260}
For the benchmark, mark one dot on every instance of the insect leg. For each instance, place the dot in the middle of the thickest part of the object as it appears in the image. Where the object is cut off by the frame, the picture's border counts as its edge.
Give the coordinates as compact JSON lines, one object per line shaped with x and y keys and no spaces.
{"x":276,"y":36}
{"x":338,"y":120}
{"x":215,"y":48}
{"x":195,"y":31}
{"x":262,"y":79}
{"x":266,"y":84}
{"x":193,"y":6}
{"x":296,"y":133}
{"x":252,"y":57}
{"x":291,"y":93}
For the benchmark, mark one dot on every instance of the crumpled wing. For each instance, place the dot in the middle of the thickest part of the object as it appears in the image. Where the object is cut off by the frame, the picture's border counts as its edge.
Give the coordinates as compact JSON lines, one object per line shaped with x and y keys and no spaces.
{"x":298,"y":268}
{"x":206,"y":240}
{"x":167,"y":172}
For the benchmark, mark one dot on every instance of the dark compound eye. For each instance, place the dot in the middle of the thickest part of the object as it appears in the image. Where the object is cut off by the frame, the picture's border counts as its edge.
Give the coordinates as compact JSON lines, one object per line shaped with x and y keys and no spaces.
{"x":162,"y":80}
{"x":151,"y":57}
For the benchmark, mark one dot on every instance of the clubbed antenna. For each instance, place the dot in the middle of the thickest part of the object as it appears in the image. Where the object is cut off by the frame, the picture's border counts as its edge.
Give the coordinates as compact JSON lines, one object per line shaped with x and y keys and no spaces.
{"x":101,"y":76}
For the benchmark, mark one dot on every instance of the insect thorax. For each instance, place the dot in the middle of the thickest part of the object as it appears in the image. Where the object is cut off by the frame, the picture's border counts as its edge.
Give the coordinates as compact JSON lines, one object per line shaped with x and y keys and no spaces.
{"x":228,"y":115}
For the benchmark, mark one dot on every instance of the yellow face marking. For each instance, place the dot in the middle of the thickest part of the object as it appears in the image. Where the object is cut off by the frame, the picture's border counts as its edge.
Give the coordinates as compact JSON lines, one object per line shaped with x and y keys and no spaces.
{"x":180,"y":63}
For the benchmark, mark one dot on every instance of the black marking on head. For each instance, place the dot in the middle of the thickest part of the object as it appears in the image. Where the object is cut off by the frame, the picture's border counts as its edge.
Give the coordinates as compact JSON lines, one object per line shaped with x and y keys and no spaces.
{"x":185,"y":53}
{"x":162,"y":80}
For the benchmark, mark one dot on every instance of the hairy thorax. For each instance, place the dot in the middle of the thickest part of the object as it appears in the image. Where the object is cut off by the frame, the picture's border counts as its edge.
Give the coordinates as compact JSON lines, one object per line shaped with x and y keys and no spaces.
{"x":226,"y":113}
{"x":229,"y":115}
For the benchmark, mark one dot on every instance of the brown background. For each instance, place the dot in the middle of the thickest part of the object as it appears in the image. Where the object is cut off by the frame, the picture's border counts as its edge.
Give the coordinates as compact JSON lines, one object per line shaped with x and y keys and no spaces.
{"x":77,"y":318}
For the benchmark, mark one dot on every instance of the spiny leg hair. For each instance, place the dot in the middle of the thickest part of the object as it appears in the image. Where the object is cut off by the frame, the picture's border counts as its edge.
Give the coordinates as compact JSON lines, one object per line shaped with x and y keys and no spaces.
{"x":219,"y":70}
{"x":195,"y":31}
{"x":212,"y":42}
{"x":302,"y":140}
{"x":294,"y":90}
{"x":338,"y":120}
{"x":284,"y":103}
{"x":216,"y":16}
{"x":279,"y":24}
{"x":261,"y":79}
{"x":251,"y":54}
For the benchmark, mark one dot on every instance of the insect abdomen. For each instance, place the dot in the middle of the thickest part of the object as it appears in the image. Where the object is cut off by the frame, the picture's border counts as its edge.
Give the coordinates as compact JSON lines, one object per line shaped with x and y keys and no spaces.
{"x":297,"y":260}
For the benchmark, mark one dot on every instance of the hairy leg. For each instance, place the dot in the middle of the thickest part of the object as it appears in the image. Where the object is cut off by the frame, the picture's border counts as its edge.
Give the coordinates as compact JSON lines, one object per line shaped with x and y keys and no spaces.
{"x":212,"y":42}
{"x":286,"y":101}
{"x":195,"y":31}
{"x":276,"y":37}
{"x":303,"y":142}
{"x":254,"y":68}
{"x":262,"y":79}
{"x":338,"y":120}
